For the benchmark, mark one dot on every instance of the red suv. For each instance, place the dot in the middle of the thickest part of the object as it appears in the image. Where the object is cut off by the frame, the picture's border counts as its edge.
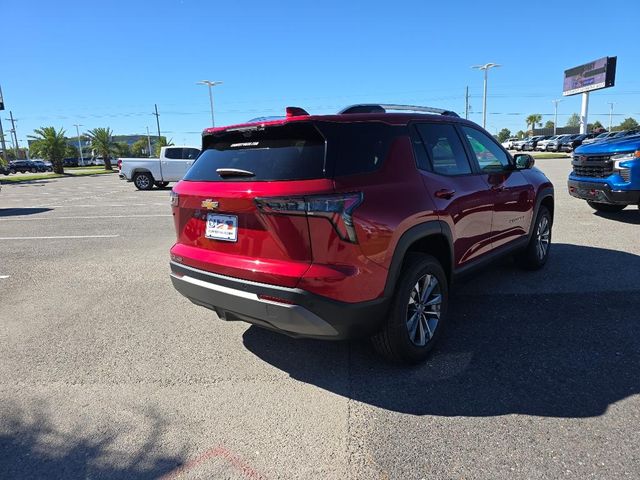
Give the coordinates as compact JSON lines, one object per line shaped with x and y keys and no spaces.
{"x":334,"y":226}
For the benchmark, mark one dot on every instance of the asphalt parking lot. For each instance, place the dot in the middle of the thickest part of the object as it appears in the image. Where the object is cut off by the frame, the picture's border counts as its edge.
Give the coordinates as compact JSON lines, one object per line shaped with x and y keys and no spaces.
{"x":107,"y":372}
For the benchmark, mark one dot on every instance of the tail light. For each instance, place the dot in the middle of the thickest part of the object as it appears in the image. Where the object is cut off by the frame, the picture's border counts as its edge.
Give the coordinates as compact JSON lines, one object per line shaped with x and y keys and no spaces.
{"x":119,"y":164}
{"x":337,"y":208}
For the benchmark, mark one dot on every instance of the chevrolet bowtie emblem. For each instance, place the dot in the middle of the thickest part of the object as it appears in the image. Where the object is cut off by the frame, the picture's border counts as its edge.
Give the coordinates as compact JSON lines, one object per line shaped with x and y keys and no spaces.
{"x":209,"y":204}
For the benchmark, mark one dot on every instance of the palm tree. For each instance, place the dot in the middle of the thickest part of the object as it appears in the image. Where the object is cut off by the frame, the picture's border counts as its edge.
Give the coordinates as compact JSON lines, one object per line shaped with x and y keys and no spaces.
{"x":533,"y":119}
{"x":50,"y":145}
{"x":102,"y":142}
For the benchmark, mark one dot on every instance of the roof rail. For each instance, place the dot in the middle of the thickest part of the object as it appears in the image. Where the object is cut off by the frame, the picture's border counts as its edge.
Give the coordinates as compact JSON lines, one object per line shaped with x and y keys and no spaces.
{"x":384,"y":108}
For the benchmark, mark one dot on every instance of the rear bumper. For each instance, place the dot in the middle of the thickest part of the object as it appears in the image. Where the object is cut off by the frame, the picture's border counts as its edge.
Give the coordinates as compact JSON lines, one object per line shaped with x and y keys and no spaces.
{"x":603,"y":193}
{"x":300,"y":314}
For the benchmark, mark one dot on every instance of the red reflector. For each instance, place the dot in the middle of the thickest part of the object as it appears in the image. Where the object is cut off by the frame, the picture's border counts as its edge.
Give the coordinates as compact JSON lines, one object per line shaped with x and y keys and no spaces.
{"x":275,"y":299}
{"x":296,"y":111}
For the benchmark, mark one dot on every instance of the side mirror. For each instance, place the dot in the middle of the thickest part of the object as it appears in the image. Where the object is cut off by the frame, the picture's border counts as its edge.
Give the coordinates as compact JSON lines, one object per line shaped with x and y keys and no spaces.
{"x":524,"y":161}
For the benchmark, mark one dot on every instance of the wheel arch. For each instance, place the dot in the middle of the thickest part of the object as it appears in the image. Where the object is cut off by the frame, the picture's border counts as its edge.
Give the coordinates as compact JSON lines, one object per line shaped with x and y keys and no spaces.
{"x":433,"y":238}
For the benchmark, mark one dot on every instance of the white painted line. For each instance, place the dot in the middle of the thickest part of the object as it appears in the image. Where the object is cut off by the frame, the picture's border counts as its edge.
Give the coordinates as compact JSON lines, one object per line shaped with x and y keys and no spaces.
{"x":20,"y":219}
{"x":2,"y":277}
{"x":62,"y":237}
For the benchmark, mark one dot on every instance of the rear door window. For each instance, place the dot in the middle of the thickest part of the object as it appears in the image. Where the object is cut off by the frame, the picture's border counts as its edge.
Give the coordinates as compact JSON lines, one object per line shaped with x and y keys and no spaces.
{"x":294,"y":151}
{"x":174,"y":153}
{"x":444,"y":149}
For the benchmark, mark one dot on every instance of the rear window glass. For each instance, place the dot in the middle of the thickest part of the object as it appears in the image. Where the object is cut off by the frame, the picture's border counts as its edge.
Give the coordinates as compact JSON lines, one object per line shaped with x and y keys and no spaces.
{"x":356,"y":148}
{"x":295,"y":151}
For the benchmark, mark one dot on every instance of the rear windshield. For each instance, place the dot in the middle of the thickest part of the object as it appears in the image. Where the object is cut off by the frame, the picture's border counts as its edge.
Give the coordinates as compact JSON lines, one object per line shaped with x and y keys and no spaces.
{"x":295,"y":151}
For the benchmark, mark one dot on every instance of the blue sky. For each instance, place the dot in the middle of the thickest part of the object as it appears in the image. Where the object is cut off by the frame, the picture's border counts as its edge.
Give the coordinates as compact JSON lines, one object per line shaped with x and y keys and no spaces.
{"x":106,"y":63}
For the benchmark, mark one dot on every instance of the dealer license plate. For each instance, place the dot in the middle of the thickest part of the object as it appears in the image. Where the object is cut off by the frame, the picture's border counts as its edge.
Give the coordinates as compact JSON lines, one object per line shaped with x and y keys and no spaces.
{"x":222,"y":227}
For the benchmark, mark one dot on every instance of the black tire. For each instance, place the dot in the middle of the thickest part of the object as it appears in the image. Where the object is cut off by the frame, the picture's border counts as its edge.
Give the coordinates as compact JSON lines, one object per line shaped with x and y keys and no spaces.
{"x":395,"y":341}
{"x":12,"y":171}
{"x":605,"y":207}
{"x":161,"y":184}
{"x":143,"y":181}
{"x":33,"y":170}
{"x":537,"y":252}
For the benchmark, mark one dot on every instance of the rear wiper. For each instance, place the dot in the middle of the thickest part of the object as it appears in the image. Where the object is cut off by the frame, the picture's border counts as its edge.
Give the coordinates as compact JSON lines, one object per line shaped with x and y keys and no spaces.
{"x":234,"y":172}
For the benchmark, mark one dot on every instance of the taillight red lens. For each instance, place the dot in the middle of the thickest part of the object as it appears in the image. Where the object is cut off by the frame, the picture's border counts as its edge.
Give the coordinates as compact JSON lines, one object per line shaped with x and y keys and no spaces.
{"x":337,"y":208}
{"x":119,"y":164}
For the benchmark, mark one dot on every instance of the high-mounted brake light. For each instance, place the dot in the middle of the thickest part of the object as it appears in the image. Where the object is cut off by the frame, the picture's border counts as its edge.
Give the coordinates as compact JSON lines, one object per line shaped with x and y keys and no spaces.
{"x":337,"y":208}
{"x":296,"y":112}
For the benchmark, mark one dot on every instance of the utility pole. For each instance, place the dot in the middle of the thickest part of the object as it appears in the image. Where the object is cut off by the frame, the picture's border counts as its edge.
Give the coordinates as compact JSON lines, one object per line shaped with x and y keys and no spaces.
{"x":13,"y":131}
{"x":149,"y":141}
{"x":157,"y":121}
{"x":555,"y":115}
{"x":210,"y":83}
{"x":2,"y":143}
{"x":466,"y":103}
{"x":77,"y":125}
{"x":610,"y":115}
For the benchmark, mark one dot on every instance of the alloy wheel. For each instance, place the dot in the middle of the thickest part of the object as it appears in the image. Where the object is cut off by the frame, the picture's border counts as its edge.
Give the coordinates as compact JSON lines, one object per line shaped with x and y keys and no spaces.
{"x":423,"y":310}
{"x":543,"y":237}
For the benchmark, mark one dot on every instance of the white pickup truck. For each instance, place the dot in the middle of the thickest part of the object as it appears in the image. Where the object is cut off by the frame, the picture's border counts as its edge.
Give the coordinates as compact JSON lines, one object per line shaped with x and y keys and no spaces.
{"x":173,"y":163}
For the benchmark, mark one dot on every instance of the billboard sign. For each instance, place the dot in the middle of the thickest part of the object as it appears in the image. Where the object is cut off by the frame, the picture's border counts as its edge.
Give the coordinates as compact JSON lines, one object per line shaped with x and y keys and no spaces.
{"x":594,"y":75}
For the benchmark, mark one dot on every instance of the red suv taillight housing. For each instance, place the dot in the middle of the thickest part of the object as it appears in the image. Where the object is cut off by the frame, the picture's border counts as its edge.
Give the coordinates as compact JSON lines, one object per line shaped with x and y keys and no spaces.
{"x":119,"y":165}
{"x":337,"y":208}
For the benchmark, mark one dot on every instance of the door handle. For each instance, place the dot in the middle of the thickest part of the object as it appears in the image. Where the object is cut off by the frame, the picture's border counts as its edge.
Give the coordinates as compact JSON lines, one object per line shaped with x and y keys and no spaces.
{"x":497,"y":188}
{"x":444,"y":193}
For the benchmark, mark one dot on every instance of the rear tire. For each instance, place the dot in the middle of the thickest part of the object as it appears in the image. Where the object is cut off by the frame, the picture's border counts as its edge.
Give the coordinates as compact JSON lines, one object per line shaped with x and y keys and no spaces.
{"x":143,"y":181}
{"x":417,"y":314}
{"x":605,"y":207}
{"x":535,"y":255}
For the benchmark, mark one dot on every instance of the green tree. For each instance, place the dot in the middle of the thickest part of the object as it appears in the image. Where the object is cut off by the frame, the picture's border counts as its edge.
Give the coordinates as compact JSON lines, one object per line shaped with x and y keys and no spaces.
{"x":520,"y":134}
{"x":504,"y":134}
{"x":71,"y":152}
{"x":595,"y":126}
{"x":628,"y":124}
{"x":574,"y":120}
{"x":50,"y":145}
{"x":123,"y":149}
{"x":533,"y":119}
{"x":102,"y":142}
{"x":549,"y":124}
{"x":140,"y":148}
{"x":162,"y":142}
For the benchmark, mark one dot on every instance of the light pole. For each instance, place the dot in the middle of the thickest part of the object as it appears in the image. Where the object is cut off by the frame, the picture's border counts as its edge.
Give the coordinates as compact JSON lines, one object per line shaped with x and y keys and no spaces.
{"x":149,"y":141}
{"x":78,"y":125}
{"x":210,"y":84}
{"x":555,"y":115}
{"x":486,"y":68}
{"x":610,"y":114}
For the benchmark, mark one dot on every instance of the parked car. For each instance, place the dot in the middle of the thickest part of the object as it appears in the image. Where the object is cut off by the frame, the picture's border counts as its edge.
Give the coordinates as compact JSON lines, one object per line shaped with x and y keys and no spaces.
{"x":334,"y":226}
{"x":517,"y":145}
{"x":22,"y":166}
{"x":575,"y":142}
{"x":173,"y":163}
{"x":554,"y":145}
{"x":607,"y":174}
{"x":531,"y":145}
{"x":508,"y":143}
{"x":70,"y":162}
{"x":41,"y":166}
{"x":542,"y":144}
{"x":598,"y":138}
{"x":566,"y":142}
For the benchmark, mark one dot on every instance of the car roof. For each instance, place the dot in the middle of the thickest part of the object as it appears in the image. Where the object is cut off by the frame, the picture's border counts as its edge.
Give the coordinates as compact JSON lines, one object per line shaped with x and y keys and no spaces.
{"x":355,"y":113}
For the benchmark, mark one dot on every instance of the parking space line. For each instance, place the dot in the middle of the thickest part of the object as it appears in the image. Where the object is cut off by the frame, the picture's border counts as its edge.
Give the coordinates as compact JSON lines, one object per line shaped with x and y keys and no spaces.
{"x":22,"y":219}
{"x":61,"y":237}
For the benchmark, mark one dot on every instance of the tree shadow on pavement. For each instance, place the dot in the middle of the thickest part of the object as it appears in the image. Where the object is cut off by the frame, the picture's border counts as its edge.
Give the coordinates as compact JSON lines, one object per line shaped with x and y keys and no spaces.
{"x":33,"y":448}
{"x":569,"y":353}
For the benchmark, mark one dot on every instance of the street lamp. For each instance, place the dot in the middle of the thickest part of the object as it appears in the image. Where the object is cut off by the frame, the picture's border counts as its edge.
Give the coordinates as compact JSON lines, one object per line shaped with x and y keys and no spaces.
{"x":78,"y":125}
{"x":210,"y":84}
{"x":555,"y":118}
{"x":486,"y":68}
